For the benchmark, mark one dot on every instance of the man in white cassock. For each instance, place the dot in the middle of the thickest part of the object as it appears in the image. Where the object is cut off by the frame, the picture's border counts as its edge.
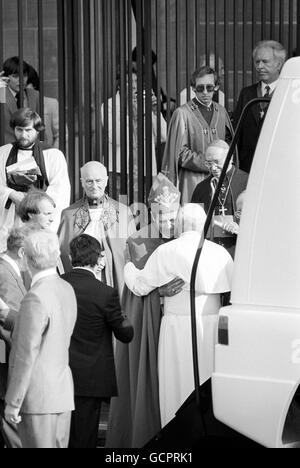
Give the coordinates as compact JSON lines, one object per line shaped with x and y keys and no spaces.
{"x":28,"y":164}
{"x":175,"y":259}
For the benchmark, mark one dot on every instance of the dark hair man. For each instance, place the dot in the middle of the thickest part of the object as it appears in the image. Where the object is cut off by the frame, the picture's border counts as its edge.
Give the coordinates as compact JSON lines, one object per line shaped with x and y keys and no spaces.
{"x":28,"y":164}
{"x":91,"y":349}
{"x":193,"y":126}
{"x":11,"y":71}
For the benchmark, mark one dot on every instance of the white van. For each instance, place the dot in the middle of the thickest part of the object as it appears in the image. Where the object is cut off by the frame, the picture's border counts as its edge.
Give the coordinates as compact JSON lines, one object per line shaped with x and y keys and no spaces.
{"x":257,"y":364}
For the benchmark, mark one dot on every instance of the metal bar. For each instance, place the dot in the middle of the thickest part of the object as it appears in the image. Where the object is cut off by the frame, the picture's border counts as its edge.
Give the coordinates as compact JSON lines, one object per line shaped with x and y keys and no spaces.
{"x":291,"y":28}
{"x":41,"y":60}
{"x":178,"y":54}
{"x":244,"y":63}
{"x":159,"y":93}
{"x":86,"y":81}
{"x":98,"y":121}
{"x":282,"y":22}
{"x":20,"y":49}
{"x":207,"y":39}
{"x":115,"y":117}
{"x":61,"y":74}
{"x":140,"y":99}
{"x":70,"y":92}
{"x":227,"y":53}
{"x":148,"y":95}
{"x":105,"y":49}
{"x":123,"y":96}
{"x":78,"y":43}
{"x":273,"y":20}
{"x":130,"y":104}
{"x":2,"y":97}
{"x":168,"y":55}
{"x":298,"y":28}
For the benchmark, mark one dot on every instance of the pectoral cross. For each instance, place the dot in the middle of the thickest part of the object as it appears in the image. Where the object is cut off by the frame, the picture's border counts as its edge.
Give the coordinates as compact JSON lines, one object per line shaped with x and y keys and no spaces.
{"x":223,"y":210}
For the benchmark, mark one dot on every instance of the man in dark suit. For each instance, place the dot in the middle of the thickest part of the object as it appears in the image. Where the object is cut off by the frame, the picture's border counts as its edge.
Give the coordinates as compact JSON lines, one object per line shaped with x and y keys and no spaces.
{"x":12,"y":291}
{"x":11,"y":70}
{"x":269,"y":57}
{"x":235,"y":182}
{"x":91,"y":350}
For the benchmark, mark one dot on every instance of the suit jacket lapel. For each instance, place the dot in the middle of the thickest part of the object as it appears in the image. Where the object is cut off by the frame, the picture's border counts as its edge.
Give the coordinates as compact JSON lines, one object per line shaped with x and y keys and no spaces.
{"x":10,"y":101}
{"x":17,"y":278}
{"x":256,"y":109}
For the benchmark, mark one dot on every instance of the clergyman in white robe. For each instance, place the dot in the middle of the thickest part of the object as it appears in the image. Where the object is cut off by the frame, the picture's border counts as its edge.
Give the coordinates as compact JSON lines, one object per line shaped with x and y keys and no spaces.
{"x":175,"y":363}
{"x":59,"y":188}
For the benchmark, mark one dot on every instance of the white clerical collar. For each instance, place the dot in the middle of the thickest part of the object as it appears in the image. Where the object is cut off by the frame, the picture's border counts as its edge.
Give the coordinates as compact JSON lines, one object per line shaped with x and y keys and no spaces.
{"x":43,"y":274}
{"x":272,"y":87}
{"x":12,"y":263}
{"x":86,"y":269}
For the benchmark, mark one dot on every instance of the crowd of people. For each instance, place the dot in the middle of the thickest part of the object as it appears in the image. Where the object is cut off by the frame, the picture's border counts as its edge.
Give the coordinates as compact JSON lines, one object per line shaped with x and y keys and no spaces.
{"x":94,"y":310}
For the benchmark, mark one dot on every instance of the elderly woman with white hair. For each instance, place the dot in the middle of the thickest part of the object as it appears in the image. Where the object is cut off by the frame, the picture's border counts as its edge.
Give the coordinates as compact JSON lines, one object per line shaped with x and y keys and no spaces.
{"x":175,"y":259}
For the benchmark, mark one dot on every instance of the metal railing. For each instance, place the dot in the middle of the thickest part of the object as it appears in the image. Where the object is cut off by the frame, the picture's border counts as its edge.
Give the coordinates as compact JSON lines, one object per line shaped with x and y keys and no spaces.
{"x":101,"y":117}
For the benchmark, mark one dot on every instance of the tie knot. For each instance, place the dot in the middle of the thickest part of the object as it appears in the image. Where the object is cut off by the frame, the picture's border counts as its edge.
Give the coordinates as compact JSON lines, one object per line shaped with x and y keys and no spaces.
{"x":267,"y":91}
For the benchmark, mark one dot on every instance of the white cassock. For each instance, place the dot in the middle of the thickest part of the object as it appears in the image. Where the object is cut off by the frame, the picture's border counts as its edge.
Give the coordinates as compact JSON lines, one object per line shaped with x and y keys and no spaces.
{"x":175,"y":362}
{"x":59,"y":188}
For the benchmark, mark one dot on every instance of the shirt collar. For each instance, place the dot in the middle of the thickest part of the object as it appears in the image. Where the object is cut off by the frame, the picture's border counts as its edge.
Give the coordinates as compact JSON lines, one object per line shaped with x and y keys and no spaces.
{"x":12,"y":263}
{"x":272,"y":86}
{"x":43,"y":274}
{"x":86,"y":269}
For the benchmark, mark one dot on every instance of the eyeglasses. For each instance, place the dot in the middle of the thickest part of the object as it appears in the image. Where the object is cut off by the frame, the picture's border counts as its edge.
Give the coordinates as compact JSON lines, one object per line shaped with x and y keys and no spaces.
{"x":90,"y":182}
{"x":209,"y":88}
{"x":210,"y":164}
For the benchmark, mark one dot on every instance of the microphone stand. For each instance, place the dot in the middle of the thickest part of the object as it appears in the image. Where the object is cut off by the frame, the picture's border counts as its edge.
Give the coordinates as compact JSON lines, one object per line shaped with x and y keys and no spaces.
{"x":199,"y":251}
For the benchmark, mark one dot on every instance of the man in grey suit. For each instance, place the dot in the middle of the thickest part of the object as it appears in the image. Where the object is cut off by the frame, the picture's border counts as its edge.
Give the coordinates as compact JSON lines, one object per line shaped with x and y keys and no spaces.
{"x":12,"y":291}
{"x":40,"y":395}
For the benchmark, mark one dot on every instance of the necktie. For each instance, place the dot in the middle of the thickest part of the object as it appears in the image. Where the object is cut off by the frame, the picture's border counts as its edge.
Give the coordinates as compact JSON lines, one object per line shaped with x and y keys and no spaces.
{"x":264,"y":105}
{"x":18,"y":100}
{"x":267,"y":91}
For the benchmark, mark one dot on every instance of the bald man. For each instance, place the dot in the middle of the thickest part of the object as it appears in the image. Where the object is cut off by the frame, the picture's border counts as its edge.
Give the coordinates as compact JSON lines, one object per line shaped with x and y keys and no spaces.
{"x":98,"y":215}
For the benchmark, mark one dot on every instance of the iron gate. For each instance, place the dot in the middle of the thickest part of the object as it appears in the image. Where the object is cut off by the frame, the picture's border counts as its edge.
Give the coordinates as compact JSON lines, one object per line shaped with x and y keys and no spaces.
{"x":100,"y":46}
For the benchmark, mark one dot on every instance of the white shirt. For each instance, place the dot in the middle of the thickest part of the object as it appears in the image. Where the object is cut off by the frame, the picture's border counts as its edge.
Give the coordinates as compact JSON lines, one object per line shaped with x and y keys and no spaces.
{"x":272,"y":87}
{"x":43,"y":274}
{"x":12,"y":263}
{"x":59,"y":188}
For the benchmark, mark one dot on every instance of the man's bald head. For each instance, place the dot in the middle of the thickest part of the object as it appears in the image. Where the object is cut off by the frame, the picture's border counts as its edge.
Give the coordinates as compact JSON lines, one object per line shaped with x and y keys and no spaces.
{"x":94,"y":179}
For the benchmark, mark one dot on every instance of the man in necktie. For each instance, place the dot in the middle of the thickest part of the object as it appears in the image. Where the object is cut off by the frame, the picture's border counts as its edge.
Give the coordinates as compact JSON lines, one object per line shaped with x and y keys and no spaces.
{"x":12,"y":102}
{"x":269,"y":57}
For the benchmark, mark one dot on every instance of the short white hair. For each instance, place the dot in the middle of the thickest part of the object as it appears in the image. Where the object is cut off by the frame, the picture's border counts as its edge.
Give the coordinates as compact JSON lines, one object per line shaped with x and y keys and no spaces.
{"x":278,"y":49}
{"x":191,"y":217}
{"x":94,"y":165}
{"x":42,"y":250}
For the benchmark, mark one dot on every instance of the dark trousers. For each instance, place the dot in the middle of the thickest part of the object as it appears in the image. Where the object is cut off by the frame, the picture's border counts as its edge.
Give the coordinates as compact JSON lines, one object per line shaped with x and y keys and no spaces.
{"x":85,"y":422}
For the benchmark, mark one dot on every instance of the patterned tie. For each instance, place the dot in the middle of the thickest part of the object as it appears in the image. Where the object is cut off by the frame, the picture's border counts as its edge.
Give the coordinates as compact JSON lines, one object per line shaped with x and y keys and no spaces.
{"x":267,"y":91}
{"x":264,"y":105}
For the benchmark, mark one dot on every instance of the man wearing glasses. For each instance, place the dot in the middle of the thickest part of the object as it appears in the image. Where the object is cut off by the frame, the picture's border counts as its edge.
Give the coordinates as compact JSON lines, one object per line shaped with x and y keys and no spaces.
{"x":234,"y":184}
{"x":99,"y":216}
{"x":192,"y":128}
